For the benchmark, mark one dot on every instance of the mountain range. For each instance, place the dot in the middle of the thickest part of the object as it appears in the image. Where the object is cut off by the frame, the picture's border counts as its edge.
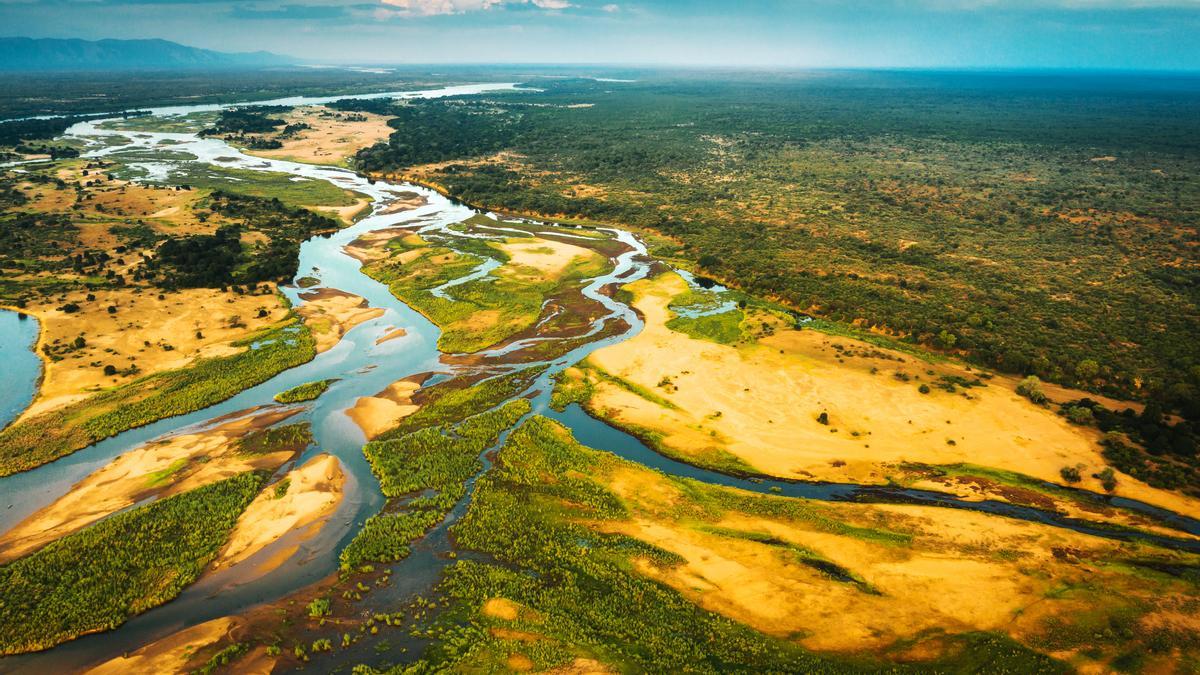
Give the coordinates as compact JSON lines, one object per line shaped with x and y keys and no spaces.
{"x":47,"y":54}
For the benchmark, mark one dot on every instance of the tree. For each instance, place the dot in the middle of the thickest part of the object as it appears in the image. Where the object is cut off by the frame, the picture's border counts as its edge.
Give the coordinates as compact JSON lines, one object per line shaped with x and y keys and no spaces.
{"x":1087,"y":370}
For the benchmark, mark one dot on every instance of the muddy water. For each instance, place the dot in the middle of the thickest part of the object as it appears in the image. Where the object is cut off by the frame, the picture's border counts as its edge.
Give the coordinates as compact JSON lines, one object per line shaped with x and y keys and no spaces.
{"x":363,"y":368}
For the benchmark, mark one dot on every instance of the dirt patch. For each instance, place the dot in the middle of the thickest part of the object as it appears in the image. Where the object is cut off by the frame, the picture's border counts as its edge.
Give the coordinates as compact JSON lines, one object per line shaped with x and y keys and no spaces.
{"x":171,"y":654}
{"x":501,"y":608}
{"x":391,"y":335}
{"x":142,"y":335}
{"x":333,"y":137}
{"x":762,"y":403}
{"x":543,"y":258}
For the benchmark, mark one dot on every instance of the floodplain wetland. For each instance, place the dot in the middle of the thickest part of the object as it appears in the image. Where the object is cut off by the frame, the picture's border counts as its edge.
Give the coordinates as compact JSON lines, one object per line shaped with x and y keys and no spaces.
{"x":404,"y":434}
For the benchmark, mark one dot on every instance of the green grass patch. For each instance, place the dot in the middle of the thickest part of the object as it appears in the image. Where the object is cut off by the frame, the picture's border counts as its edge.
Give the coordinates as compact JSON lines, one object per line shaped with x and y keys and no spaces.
{"x":435,"y":462}
{"x":453,"y":400}
{"x":724,"y":328}
{"x":304,"y":392}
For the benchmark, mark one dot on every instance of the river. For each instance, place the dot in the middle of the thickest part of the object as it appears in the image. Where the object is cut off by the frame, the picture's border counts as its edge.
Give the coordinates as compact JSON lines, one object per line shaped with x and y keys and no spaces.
{"x":362,"y":368}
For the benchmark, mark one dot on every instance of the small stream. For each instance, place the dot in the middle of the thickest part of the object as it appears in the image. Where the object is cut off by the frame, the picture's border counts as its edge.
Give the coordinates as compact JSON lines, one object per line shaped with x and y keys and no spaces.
{"x":363,"y":368}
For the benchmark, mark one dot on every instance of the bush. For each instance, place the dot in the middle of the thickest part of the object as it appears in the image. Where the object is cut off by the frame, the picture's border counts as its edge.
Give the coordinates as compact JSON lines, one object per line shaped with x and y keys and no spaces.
{"x":1031,"y":388}
{"x":1070,"y":474}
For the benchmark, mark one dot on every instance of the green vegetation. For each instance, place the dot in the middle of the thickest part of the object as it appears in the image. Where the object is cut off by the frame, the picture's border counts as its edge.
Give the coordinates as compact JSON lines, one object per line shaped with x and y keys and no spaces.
{"x":304,"y":392}
{"x":252,"y":183}
{"x":454,"y":400}
{"x":246,"y":120}
{"x":437,"y":459}
{"x":724,"y":328}
{"x":97,"y":578}
{"x":51,"y":435}
{"x":882,"y":198}
{"x":479,"y":313}
{"x":287,"y":438}
{"x":221,"y":259}
{"x":539,"y":514}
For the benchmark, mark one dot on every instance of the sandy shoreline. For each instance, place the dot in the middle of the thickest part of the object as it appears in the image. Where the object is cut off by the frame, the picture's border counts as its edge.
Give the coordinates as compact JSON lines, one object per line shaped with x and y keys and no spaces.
{"x":376,"y":414}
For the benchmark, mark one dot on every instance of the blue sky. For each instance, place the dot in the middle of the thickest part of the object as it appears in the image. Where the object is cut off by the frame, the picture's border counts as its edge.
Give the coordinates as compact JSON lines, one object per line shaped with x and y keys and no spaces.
{"x":1133,"y":34}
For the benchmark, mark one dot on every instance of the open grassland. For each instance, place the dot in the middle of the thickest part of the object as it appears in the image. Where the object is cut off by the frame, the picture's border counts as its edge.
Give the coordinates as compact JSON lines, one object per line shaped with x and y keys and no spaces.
{"x":96,"y":579}
{"x":1035,"y":229}
{"x":48,"y":436}
{"x":810,"y":405}
{"x":486,"y":311}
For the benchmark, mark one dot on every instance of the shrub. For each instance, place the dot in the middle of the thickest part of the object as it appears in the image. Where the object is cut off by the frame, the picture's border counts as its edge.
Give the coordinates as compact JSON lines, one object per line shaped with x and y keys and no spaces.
{"x":1031,"y":388}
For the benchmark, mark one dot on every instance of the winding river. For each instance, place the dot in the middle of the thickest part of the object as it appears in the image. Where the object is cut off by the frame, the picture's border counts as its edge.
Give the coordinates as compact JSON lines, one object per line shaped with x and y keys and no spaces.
{"x":363,"y":367}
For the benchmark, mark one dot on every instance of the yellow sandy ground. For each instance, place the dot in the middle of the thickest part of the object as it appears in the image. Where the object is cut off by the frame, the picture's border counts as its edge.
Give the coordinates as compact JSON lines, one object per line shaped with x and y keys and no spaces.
{"x":331,"y":313}
{"x":170,"y":326}
{"x":768,"y":396}
{"x":963,"y":571}
{"x":371,"y":245}
{"x":140,"y":317}
{"x":160,"y":468}
{"x":542,"y":258}
{"x":347,"y":214}
{"x":333,"y":137}
{"x":391,"y":335}
{"x":176,"y":654}
{"x":376,"y":414}
{"x":313,"y":494}
{"x":170,"y":654}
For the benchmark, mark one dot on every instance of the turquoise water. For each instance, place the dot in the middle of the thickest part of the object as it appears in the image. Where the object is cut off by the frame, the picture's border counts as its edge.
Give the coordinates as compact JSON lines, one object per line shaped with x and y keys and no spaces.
{"x":20,"y":366}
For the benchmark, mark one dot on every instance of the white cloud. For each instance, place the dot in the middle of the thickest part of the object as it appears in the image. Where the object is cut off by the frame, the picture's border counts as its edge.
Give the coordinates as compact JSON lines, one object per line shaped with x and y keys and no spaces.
{"x":433,"y":7}
{"x":611,"y":8}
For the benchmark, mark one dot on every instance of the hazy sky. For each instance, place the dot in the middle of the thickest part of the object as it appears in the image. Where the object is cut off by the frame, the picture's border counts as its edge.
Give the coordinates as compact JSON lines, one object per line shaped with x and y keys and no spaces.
{"x":1162,"y":34}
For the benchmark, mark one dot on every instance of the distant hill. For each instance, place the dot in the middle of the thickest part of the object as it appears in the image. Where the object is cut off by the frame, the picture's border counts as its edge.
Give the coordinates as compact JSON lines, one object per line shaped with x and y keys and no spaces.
{"x":28,"y":54}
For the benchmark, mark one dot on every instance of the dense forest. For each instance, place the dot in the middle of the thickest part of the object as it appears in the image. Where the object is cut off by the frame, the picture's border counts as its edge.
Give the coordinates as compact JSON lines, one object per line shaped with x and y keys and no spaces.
{"x":1035,"y":224}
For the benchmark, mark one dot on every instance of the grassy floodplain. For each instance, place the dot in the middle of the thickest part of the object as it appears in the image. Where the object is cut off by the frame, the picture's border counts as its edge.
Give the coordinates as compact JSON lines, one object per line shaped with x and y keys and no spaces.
{"x":570,"y":589}
{"x":487,"y":311}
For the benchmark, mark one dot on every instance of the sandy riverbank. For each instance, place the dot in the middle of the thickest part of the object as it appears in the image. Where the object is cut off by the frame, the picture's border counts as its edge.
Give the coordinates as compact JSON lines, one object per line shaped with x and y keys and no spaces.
{"x":303,"y":500}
